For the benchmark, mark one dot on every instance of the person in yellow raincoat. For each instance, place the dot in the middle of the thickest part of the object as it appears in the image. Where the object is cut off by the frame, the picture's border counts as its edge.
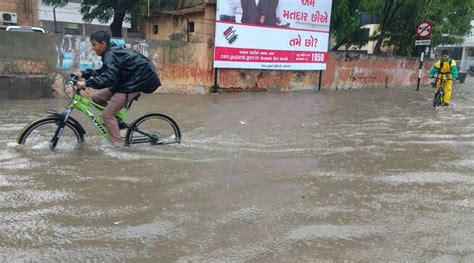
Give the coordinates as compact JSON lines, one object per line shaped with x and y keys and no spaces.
{"x":447,"y":67}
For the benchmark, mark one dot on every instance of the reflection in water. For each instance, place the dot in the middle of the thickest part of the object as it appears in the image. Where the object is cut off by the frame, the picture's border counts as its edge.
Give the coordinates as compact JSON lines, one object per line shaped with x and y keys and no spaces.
{"x":374,"y":174}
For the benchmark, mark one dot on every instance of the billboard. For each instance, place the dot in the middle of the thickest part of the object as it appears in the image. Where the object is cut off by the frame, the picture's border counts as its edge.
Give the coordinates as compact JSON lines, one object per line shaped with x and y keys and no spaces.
{"x":272,"y":34}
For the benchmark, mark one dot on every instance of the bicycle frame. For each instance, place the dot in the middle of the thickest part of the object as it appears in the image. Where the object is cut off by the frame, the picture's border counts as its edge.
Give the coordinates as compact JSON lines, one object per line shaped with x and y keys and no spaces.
{"x":86,"y":106}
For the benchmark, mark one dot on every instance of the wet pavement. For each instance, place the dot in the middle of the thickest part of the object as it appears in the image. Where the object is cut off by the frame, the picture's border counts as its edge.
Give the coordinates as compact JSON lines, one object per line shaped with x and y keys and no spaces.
{"x":369,"y":175}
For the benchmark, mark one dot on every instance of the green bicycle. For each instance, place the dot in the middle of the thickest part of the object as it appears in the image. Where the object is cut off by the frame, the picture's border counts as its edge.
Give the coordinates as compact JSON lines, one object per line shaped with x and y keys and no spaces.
{"x":61,"y":130}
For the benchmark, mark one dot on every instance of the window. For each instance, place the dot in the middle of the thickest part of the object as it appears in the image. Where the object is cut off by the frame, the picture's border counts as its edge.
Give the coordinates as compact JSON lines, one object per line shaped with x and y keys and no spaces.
{"x":367,"y":18}
{"x":71,"y":31}
{"x":190,"y":27}
{"x":155,"y":29}
{"x":471,"y":52}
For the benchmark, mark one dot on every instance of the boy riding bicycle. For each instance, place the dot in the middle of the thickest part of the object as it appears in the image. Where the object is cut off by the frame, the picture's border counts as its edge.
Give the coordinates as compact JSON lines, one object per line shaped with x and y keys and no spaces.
{"x":123,"y":75}
{"x":445,"y":68}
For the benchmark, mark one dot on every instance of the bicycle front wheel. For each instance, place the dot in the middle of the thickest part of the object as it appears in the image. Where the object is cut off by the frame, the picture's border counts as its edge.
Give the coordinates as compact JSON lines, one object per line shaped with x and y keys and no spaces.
{"x":41,"y":135}
{"x":438,"y":99}
{"x":154,"y":129}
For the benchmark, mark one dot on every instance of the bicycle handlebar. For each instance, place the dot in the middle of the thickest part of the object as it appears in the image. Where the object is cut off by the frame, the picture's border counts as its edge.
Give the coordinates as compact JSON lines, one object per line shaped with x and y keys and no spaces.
{"x":73,"y":81}
{"x":443,"y":78}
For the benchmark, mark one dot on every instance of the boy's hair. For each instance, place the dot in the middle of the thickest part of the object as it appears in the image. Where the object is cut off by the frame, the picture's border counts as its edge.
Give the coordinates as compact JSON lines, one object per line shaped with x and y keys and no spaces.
{"x":101,"y":36}
{"x":445,"y":52}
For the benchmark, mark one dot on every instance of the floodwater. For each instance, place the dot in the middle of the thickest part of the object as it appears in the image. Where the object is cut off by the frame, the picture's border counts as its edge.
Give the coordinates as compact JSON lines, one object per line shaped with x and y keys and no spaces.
{"x":357,"y":175}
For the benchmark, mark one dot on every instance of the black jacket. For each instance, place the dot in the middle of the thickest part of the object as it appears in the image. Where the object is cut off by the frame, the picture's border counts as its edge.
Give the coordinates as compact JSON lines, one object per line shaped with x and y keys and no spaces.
{"x":250,"y":13}
{"x":123,"y":71}
{"x":268,"y":9}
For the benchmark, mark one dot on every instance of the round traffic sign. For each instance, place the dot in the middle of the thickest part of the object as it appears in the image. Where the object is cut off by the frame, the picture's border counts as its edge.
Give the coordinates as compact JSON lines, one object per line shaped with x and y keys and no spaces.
{"x":424,"y":29}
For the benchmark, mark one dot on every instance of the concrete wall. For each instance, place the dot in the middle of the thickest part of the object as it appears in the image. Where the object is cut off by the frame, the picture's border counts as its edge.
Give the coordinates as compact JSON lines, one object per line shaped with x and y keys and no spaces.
{"x":351,"y":71}
{"x":187,"y":67}
{"x":343,"y":72}
{"x":26,"y":65}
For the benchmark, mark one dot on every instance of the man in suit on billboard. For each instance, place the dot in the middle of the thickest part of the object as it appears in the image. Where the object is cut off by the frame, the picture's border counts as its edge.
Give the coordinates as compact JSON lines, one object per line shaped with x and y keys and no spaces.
{"x":259,"y":12}
{"x":268,"y":12}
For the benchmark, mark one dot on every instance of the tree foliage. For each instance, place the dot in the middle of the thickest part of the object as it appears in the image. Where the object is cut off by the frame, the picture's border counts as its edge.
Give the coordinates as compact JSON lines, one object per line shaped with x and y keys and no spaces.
{"x":451,"y":21}
{"x":398,"y":19}
{"x":345,"y":26}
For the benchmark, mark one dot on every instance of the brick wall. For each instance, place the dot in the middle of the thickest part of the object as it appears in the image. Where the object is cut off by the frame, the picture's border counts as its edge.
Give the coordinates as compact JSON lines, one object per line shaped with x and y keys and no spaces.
{"x":25,"y":10}
{"x":8,"y":6}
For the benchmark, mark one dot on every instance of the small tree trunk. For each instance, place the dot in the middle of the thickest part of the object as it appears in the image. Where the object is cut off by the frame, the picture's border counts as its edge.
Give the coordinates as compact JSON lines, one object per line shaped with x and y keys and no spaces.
{"x":338,"y":45}
{"x":392,"y":8}
{"x":116,"y":25}
{"x":386,"y":14}
{"x":378,"y":45}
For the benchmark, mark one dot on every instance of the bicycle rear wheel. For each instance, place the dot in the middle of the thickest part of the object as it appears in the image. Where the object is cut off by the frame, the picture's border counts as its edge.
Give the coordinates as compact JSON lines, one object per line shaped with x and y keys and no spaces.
{"x":40,"y":135}
{"x":154,"y":129}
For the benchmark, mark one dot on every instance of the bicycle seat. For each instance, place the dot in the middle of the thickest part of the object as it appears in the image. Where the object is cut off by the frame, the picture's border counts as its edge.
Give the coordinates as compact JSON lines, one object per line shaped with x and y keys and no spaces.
{"x":134,"y":99}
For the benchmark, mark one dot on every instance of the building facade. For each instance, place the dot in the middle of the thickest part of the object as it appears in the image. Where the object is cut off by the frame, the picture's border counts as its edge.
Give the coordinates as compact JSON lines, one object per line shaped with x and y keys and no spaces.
{"x":69,"y":20}
{"x":468,"y":50}
{"x":18,"y":12}
{"x":192,"y":21}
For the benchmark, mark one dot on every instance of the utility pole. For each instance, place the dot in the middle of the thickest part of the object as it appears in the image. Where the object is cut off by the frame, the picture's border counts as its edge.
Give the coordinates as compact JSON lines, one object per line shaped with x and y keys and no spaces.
{"x":148,"y":9}
{"x":55,"y":22}
{"x":54,"y":14}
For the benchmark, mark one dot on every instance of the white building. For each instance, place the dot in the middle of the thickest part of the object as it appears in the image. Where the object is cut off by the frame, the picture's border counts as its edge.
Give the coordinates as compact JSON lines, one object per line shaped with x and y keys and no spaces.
{"x":69,"y":20}
{"x":468,"y":50}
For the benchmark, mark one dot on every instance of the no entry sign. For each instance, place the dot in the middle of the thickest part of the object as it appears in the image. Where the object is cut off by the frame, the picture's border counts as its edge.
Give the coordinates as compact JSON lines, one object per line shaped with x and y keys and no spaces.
{"x":424,"y":29}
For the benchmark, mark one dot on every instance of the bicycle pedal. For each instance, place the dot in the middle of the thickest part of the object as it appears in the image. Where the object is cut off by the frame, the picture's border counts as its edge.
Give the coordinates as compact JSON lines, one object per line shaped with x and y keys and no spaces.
{"x":122,"y":125}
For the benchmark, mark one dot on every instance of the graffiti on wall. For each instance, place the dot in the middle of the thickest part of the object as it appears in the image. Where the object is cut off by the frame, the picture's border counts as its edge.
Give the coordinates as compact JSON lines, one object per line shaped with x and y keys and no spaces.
{"x":142,"y":48}
{"x":74,"y":52}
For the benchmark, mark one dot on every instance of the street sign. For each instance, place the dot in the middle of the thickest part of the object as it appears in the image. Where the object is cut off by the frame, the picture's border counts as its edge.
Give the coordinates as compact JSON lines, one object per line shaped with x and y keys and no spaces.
{"x":424,"y":29}
{"x":423,"y":42}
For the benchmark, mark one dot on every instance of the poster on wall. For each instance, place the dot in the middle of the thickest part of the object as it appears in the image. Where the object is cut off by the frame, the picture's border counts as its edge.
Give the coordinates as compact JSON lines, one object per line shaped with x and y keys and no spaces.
{"x":272,"y":34}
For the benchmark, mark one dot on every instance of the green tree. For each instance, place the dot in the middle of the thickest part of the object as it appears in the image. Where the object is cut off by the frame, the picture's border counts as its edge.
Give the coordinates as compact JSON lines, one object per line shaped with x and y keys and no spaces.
{"x":451,"y":22}
{"x":116,"y":10}
{"x":345,"y":26}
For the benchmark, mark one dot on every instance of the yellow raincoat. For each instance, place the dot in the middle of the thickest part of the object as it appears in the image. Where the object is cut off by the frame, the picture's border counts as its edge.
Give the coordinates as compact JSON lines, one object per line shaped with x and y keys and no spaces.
{"x":449,"y":71}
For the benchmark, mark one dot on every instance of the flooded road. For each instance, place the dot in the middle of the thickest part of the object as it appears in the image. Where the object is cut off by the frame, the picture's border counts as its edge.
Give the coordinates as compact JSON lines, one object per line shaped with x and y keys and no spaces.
{"x":371,"y":174}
